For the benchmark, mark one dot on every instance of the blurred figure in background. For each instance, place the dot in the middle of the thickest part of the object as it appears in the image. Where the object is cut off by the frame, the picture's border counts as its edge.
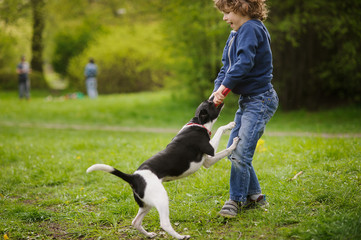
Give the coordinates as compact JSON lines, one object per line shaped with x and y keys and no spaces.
{"x":90,"y":73}
{"x":23,"y":71}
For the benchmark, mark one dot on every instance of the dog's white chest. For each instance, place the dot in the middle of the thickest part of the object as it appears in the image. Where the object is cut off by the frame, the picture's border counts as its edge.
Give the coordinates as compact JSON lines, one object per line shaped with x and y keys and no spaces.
{"x":194,"y":166}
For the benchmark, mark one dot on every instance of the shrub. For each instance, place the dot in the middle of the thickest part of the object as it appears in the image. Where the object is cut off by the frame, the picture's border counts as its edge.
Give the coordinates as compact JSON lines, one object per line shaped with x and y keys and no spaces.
{"x":128,"y":59}
{"x":37,"y":80}
{"x":70,"y":42}
{"x":8,"y":80}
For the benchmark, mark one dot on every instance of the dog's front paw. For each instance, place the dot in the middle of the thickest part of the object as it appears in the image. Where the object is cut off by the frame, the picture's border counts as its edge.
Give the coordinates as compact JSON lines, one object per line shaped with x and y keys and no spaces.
{"x":230,"y":126}
{"x":234,"y":144}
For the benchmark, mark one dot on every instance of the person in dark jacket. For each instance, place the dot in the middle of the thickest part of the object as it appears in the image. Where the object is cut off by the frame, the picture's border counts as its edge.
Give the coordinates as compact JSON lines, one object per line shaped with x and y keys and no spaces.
{"x":247,"y":71}
{"x":23,"y":70}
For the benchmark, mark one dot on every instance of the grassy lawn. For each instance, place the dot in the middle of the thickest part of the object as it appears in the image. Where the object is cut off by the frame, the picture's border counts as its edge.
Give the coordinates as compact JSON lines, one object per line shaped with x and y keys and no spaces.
{"x":46,"y":194}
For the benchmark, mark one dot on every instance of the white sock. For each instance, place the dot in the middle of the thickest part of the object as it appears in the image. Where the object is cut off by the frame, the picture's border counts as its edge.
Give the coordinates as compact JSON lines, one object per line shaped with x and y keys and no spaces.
{"x":255,"y":197}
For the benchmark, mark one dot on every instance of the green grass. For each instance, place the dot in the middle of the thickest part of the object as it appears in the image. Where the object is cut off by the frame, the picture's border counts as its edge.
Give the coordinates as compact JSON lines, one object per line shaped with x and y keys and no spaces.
{"x":46,"y":194}
{"x":160,"y":110}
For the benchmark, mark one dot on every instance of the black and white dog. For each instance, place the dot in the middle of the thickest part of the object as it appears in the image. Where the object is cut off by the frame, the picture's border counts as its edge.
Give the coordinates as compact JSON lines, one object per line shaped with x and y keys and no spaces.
{"x":185,"y":154}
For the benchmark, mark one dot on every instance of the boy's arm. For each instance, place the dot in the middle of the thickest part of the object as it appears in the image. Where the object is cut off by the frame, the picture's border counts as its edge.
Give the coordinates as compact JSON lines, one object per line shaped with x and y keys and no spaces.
{"x":223,"y":71}
{"x":220,"y":77}
{"x":246,"y":51}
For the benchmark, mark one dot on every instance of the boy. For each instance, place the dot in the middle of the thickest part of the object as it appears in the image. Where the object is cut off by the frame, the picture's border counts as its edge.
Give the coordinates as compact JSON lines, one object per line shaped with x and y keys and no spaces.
{"x":247,"y":71}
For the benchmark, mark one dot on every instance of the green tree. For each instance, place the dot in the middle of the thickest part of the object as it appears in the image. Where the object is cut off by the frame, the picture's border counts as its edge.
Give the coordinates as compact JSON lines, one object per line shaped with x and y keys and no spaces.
{"x":15,"y":14}
{"x":12,"y":46}
{"x":316,"y":46}
{"x":196,"y":37}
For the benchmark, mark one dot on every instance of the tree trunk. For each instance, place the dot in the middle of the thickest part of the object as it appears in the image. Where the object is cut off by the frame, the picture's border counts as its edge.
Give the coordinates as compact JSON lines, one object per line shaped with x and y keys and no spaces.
{"x":37,"y":7}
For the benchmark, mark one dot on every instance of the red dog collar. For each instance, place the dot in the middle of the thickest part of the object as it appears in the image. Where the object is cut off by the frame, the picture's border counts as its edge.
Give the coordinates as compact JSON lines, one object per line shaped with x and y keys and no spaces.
{"x":200,"y":125}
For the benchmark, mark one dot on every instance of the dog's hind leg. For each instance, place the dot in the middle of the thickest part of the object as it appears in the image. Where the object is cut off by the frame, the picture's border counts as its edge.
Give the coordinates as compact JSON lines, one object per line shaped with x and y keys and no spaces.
{"x":163,"y":210}
{"x":158,"y":197}
{"x":137,"y":222}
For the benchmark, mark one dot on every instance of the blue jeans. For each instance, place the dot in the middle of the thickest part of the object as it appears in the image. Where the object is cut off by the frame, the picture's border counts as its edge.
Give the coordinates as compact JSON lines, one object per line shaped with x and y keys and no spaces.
{"x":91,"y":87}
{"x":24,"y":89}
{"x":251,"y":118}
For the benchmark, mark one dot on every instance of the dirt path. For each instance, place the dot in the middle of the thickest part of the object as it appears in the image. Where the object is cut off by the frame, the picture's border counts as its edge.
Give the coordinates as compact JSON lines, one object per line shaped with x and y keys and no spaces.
{"x":164,"y":130}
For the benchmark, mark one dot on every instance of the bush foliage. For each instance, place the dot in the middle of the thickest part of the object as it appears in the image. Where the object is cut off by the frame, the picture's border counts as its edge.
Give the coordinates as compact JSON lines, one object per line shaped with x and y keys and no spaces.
{"x":8,"y":80}
{"x":130,"y":59}
{"x":69,"y":42}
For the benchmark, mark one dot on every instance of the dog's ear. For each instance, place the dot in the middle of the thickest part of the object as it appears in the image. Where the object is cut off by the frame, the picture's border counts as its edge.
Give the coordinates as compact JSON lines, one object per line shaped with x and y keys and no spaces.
{"x":203,"y":116}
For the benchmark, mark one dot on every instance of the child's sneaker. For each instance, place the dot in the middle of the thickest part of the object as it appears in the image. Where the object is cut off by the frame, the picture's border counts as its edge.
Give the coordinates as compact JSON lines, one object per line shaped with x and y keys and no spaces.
{"x":230,"y":209}
{"x":259,"y":202}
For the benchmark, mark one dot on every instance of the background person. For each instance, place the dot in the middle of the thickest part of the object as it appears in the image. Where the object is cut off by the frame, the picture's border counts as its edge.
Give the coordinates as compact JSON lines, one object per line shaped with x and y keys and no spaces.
{"x":90,"y":73}
{"x":23,"y":71}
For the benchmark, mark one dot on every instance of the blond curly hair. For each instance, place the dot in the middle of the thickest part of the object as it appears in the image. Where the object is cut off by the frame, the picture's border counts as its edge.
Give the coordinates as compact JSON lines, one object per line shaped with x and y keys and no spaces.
{"x":255,"y":9}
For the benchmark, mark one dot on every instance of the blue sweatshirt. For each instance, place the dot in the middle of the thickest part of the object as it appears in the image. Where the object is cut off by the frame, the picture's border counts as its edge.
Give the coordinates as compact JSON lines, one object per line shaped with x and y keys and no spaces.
{"x":247,"y":60}
{"x":90,"y":70}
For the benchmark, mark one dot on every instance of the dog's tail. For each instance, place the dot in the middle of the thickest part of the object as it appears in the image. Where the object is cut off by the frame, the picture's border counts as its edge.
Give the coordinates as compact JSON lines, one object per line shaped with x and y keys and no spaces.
{"x":129,"y":178}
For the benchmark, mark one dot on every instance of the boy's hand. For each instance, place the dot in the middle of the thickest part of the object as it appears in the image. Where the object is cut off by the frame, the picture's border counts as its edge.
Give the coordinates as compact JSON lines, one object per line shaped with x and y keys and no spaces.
{"x":218,"y":96}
